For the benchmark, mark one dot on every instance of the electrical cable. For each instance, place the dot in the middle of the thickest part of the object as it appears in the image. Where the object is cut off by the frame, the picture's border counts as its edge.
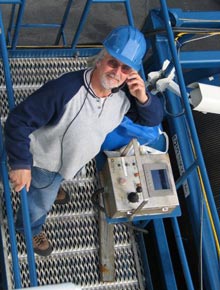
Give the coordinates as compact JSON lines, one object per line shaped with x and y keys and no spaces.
{"x":201,"y":244}
{"x":180,"y":45}
{"x":204,"y":202}
{"x":169,"y":113}
{"x":204,"y":198}
{"x":185,"y":30}
{"x":181,"y":113}
{"x":114,"y":90}
{"x":192,"y":40}
{"x":62,"y":139}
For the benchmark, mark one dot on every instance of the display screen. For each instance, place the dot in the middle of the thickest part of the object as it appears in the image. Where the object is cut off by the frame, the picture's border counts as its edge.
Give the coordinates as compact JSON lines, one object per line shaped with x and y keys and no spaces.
{"x":160,"y":179}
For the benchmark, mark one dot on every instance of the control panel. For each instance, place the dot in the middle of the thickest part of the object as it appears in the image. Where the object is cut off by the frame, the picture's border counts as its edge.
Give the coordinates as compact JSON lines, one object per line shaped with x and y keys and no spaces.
{"x":138,"y":185}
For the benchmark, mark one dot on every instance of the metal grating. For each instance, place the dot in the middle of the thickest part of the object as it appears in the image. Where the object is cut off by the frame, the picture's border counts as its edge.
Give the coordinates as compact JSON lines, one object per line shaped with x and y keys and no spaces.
{"x":75,"y":240}
{"x":72,"y":228}
{"x":82,"y":268}
{"x":28,"y":74}
{"x":207,"y":126}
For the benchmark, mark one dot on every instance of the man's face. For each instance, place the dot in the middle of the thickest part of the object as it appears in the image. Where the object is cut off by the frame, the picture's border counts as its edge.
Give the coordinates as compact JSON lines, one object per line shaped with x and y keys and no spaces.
{"x":113,"y":73}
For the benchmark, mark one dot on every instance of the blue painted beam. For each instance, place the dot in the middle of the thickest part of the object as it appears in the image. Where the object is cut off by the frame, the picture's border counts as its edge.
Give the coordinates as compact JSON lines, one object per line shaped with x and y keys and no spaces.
{"x":200,"y":19}
{"x":200,"y":59}
{"x":165,"y":258}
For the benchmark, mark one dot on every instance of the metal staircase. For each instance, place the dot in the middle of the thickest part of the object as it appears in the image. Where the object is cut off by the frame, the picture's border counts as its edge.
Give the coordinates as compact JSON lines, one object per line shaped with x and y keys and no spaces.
{"x":72,"y":228}
{"x":141,"y":262}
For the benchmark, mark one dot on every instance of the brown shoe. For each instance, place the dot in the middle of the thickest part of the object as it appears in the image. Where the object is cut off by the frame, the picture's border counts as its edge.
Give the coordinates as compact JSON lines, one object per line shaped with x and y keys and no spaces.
{"x":62,"y":197}
{"x":41,"y":245}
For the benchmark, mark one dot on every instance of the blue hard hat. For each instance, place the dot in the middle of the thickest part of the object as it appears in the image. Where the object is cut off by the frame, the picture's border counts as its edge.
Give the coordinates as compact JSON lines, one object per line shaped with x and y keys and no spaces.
{"x":127,"y":44}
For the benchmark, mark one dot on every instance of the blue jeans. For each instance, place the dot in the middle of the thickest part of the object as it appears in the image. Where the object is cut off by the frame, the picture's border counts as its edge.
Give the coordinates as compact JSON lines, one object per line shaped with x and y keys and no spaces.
{"x":41,"y":196}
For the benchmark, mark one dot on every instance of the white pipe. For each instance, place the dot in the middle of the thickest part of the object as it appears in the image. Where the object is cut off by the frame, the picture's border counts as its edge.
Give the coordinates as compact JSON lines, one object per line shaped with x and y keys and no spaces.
{"x":205,"y":98}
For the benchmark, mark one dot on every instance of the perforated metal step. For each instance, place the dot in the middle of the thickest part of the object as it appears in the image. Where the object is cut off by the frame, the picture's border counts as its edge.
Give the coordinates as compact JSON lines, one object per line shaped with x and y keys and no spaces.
{"x":72,"y":228}
{"x":28,"y":74}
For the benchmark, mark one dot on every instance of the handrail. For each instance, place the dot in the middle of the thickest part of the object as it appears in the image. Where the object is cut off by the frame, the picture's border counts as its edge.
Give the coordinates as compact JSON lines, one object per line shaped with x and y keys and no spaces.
{"x":9,"y":210}
{"x":18,"y":25}
{"x":63,"y":24}
{"x":86,"y":12}
{"x":27,"y":228}
{"x":21,"y":4}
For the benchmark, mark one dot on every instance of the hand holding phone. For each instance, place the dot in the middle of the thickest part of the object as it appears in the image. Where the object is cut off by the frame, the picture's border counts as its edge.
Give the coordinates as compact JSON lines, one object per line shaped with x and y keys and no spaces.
{"x":136,"y":87}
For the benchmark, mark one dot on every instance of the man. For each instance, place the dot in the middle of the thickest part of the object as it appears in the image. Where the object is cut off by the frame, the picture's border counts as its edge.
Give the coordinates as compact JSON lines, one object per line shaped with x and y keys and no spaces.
{"x":60,"y":127}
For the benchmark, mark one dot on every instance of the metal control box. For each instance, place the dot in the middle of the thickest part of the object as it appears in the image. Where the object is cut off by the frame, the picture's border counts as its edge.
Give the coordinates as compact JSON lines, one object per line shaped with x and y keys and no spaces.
{"x":138,"y":185}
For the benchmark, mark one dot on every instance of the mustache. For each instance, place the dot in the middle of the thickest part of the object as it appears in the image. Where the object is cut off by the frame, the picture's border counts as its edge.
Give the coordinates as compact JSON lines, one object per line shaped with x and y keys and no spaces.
{"x":113,"y":76}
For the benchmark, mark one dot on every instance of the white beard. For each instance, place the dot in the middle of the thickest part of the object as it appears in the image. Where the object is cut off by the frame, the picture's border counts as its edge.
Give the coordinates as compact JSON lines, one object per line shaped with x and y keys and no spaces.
{"x":109,"y":83}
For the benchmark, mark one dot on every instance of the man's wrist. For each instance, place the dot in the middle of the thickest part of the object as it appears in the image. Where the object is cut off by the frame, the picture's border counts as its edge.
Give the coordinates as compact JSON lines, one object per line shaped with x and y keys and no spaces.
{"x":143,"y":100}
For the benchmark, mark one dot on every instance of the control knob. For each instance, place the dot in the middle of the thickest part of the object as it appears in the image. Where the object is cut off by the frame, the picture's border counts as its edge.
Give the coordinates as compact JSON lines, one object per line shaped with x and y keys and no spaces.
{"x":133,"y":197}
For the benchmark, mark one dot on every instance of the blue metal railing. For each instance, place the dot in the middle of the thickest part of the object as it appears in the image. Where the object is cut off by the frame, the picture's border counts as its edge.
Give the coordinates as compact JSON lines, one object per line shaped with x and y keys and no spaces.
{"x":86,"y":12}
{"x":9,"y":210}
{"x":61,"y":34}
{"x":7,"y":192}
{"x":181,"y":251}
{"x":15,"y":23}
{"x":192,"y":164}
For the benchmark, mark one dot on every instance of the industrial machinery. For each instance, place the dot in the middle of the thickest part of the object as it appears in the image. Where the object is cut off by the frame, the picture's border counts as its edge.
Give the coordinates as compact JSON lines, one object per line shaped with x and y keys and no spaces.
{"x":164,"y":233}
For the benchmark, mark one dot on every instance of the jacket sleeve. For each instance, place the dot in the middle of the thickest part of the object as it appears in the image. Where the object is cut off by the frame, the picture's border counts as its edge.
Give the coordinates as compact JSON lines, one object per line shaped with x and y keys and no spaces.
{"x":43,"y":107}
{"x":149,"y":114}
